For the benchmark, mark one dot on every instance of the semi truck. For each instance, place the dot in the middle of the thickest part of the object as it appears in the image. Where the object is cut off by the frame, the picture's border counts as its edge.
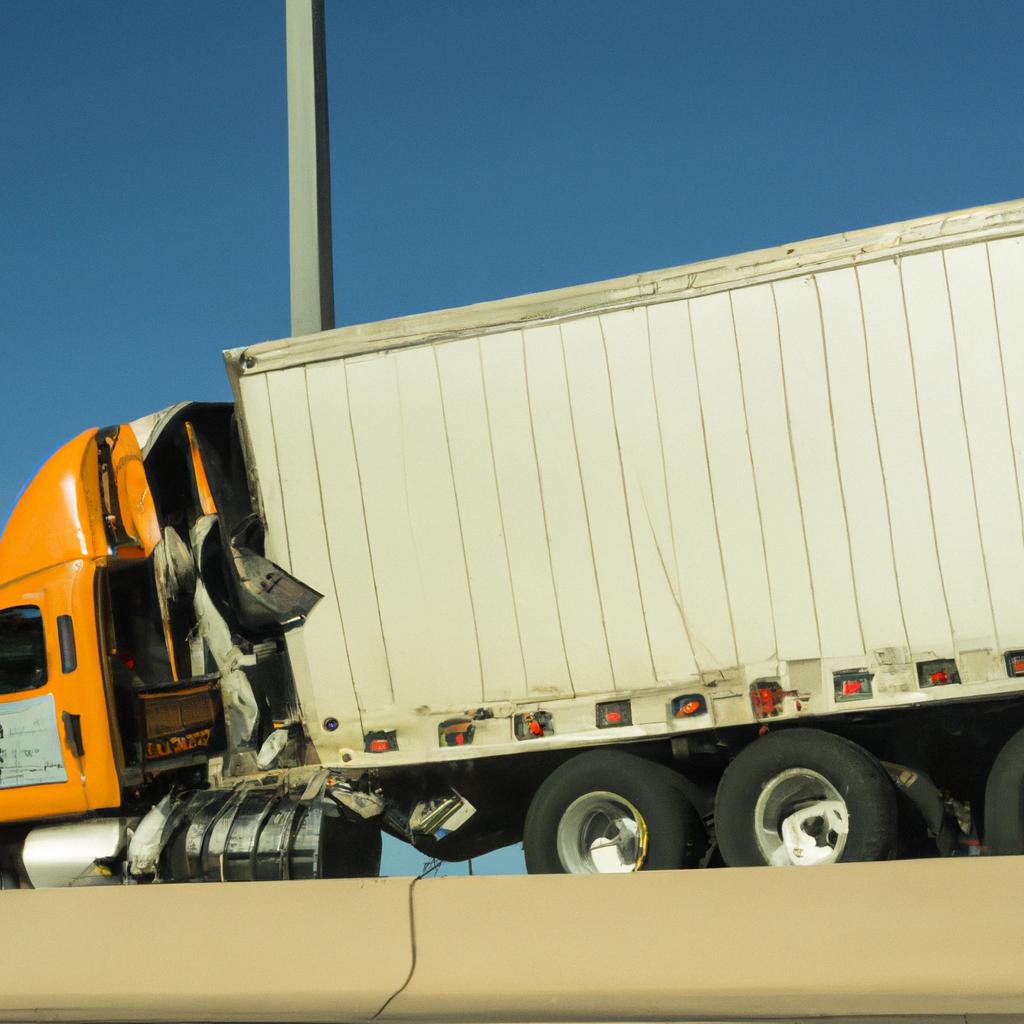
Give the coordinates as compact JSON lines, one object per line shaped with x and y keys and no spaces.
{"x":710,"y":566}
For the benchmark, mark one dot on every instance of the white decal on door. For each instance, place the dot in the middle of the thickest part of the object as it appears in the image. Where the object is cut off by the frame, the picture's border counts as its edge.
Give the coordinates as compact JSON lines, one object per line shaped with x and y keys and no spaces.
{"x":29,"y":743}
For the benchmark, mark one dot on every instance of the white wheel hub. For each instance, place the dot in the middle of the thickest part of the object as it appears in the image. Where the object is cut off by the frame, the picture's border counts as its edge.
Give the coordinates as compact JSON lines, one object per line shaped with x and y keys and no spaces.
{"x":804,"y":830}
{"x":601,"y":833}
{"x":801,"y":819}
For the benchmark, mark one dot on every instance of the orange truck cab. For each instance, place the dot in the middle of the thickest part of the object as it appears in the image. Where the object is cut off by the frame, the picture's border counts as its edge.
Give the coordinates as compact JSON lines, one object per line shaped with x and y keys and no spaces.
{"x":57,"y":746}
{"x":109,"y":696}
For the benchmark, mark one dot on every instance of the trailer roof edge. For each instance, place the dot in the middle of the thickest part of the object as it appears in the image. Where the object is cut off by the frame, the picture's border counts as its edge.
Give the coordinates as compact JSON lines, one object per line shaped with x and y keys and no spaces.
{"x":831,"y":252}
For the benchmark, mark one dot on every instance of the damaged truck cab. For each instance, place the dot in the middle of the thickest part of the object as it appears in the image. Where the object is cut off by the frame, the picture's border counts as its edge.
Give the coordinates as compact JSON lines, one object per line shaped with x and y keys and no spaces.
{"x":135,"y":614}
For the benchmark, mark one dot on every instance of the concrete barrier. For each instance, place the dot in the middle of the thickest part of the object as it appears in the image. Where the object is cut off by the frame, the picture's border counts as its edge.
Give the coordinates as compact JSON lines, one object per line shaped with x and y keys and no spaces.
{"x":937,"y":940}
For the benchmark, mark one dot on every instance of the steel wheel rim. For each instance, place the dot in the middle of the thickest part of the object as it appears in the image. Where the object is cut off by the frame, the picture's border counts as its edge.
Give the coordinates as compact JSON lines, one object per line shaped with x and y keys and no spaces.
{"x":801,"y":819}
{"x":601,"y":833}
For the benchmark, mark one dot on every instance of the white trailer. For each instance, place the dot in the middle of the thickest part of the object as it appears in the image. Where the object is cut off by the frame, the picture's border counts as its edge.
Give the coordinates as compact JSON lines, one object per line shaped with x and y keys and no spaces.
{"x":775,"y":487}
{"x":778,"y":466}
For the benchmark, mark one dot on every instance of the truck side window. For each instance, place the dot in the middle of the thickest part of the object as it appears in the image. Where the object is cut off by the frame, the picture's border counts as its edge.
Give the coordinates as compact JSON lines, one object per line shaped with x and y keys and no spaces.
{"x":22,"y":649}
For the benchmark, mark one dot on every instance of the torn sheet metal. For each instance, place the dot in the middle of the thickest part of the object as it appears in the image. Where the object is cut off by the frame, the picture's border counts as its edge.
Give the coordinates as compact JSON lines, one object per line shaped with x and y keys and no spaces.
{"x":147,"y":429}
{"x":241,"y":712}
{"x":174,"y":574}
{"x":366,"y":805}
{"x":174,"y":568}
{"x":267,"y":597}
{"x":271,"y":749}
{"x":144,"y":848}
{"x":440,"y":817}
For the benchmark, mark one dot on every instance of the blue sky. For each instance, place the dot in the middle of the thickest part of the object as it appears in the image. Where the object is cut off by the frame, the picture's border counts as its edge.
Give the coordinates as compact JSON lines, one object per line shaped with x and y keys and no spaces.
{"x":480,"y":149}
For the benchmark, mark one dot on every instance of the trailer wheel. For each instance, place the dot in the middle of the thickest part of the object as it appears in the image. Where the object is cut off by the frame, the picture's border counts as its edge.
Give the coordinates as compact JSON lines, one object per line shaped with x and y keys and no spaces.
{"x":803,"y":797}
{"x":606,"y":812}
{"x":1004,"y":800}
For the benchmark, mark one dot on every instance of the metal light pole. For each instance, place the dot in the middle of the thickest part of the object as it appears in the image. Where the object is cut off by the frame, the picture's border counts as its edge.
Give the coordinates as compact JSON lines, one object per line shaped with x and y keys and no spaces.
{"x":309,"y":169}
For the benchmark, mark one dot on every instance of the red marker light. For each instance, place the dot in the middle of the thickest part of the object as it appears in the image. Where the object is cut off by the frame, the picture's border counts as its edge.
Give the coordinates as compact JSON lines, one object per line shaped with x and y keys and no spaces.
{"x":765,"y":701}
{"x":767,"y":697}
{"x":939,"y":672}
{"x":532,"y":725}
{"x":852,"y":685}
{"x":455,"y":732}
{"x":613,"y":713}
{"x":688,"y":704}
{"x":379,"y":746}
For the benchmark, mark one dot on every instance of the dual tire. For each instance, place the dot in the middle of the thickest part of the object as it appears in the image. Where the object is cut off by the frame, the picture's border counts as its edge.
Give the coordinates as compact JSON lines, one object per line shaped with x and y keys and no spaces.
{"x":795,"y":797}
{"x":607,"y":812}
{"x":803,"y":797}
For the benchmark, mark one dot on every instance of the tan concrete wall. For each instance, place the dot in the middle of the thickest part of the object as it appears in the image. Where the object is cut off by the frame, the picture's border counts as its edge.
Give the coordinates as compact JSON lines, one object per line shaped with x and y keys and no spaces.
{"x":936,"y":940}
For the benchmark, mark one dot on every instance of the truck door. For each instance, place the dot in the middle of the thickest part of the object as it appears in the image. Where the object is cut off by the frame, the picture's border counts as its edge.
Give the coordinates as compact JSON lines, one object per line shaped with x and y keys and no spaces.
{"x":56,"y":756}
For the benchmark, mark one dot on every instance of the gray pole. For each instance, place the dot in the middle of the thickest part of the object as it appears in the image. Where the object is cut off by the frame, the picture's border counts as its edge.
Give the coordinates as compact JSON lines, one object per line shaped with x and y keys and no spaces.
{"x":309,"y":169}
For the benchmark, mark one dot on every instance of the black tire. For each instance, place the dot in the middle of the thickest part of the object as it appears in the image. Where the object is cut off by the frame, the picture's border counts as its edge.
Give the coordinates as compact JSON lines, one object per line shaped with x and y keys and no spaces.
{"x":859,"y":780}
{"x":675,"y":836}
{"x":1004,"y":800}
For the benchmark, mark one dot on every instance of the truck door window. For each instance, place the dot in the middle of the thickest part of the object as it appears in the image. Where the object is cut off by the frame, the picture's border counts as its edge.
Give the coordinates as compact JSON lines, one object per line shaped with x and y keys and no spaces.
{"x":22,"y":650}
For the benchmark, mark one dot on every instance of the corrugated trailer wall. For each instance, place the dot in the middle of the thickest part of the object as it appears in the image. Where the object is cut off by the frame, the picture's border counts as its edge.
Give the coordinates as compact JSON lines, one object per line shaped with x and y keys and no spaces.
{"x":824,"y":466}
